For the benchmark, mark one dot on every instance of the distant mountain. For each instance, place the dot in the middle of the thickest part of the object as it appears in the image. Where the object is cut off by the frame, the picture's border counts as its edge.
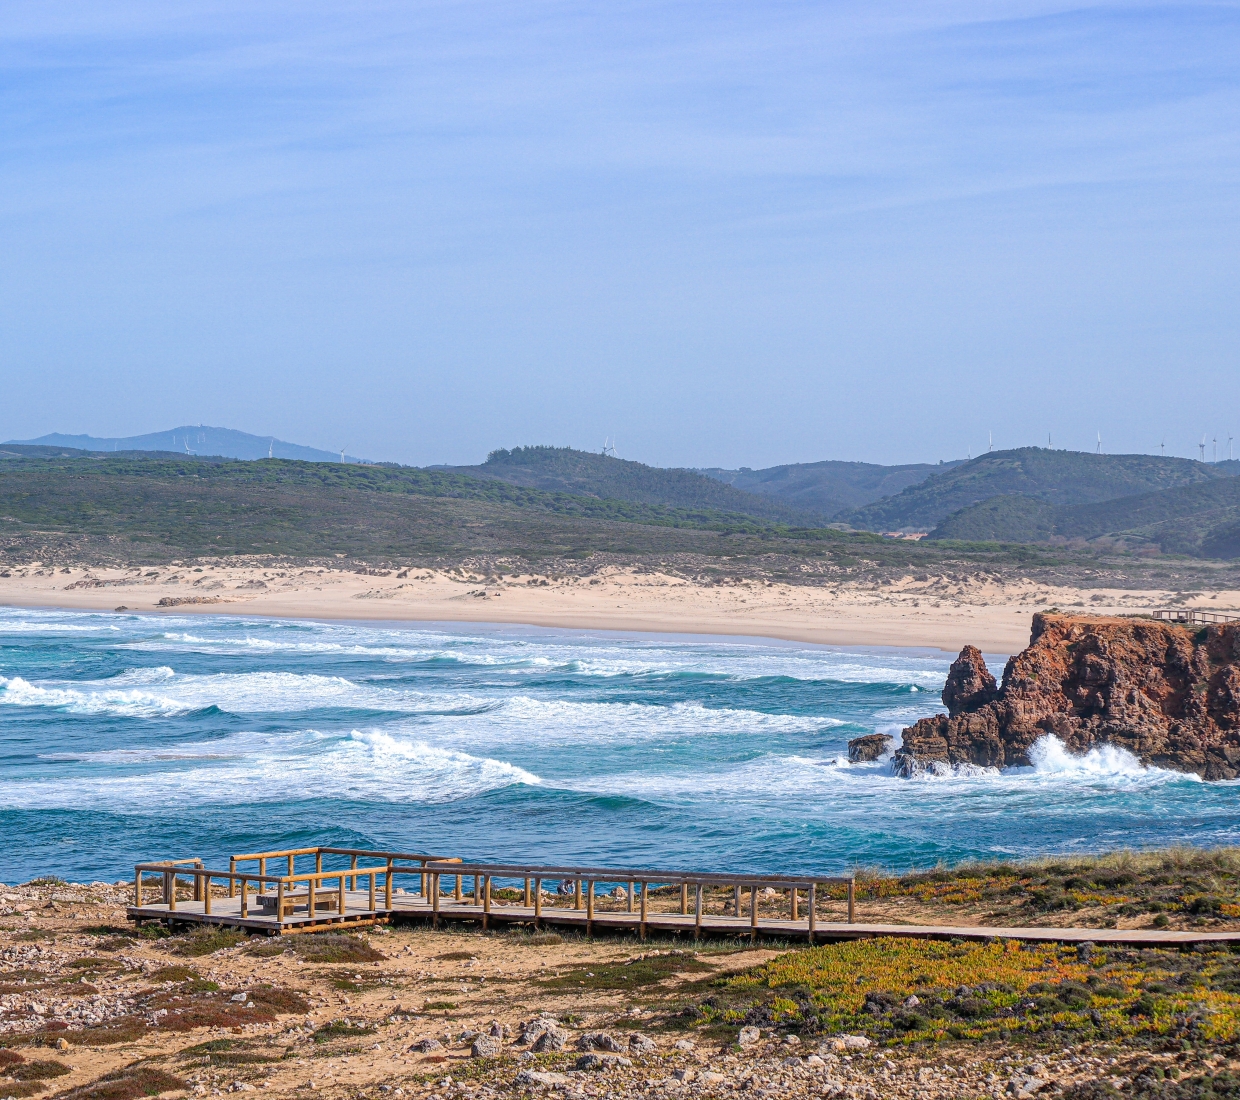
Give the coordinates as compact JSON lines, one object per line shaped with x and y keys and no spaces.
{"x":200,"y":440}
{"x":1201,"y":519}
{"x":828,"y":488}
{"x":583,"y":473}
{"x":1054,"y":477}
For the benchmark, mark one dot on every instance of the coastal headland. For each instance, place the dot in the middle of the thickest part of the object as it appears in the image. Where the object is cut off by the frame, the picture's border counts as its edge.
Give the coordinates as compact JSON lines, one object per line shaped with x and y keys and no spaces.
{"x":944,"y":610}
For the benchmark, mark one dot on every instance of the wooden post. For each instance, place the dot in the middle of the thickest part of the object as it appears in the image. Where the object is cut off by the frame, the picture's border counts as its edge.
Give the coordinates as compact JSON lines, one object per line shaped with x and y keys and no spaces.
{"x":796,"y":897}
{"x":172,"y":892}
{"x":425,"y":886}
{"x":292,"y":865}
{"x":527,"y":893}
{"x":684,"y":898}
{"x":372,"y":891}
{"x":232,"y":882}
{"x":537,"y":901}
{"x":736,"y":901}
{"x":387,"y":887}
{"x":641,"y":924}
{"x":577,"y":893}
{"x":589,"y":905}
{"x":318,"y":863}
{"x":343,"y":880}
{"x":812,"y":903}
{"x":753,"y":912}
{"x":852,"y":896}
{"x":629,"y":898}
{"x":245,"y":902}
{"x":486,"y":900}
{"x":198,"y":881}
{"x":280,"y":903}
{"x":697,"y":912}
{"x":137,"y":889}
{"x":206,"y":893}
{"x":434,"y":900}
{"x":353,"y":878}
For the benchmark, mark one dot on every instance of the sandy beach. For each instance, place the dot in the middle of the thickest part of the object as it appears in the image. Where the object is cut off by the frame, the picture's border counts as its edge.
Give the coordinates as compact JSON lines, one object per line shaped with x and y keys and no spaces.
{"x":938,"y":611}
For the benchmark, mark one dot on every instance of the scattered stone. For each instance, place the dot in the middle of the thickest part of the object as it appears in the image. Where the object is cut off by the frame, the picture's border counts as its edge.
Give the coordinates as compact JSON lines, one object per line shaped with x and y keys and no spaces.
{"x":684,"y":1044}
{"x":539,"y":1077}
{"x":642,"y":1044}
{"x":426,"y":1046}
{"x":600,"y":1040}
{"x":1023,"y":1087}
{"x":485,"y":1046}
{"x":845,"y":1042}
{"x":553,"y":1039}
{"x":685,"y":1074}
{"x":747,"y":1037}
{"x":911,"y":1002}
{"x":596,"y":1061}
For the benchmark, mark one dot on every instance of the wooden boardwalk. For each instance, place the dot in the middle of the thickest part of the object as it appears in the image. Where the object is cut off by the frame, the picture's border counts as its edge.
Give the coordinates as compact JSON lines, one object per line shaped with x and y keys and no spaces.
{"x":279,"y":904}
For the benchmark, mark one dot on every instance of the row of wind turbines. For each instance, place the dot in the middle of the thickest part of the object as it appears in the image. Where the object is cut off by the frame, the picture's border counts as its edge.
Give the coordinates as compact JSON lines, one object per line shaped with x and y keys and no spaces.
{"x":1162,"y":447}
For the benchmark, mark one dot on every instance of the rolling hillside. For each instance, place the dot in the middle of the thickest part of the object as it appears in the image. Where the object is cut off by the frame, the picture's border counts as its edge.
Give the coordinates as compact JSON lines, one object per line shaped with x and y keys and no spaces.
{"x":1054,"y":477}
{"x":564,"y":470}
{"x":1200,"y":519}
{"x":187,"y":439}
{"x":828,"y":488}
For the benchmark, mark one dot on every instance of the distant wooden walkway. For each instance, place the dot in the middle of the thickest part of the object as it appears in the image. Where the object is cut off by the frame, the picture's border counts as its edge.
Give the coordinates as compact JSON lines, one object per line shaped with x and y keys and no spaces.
{"x":365,"y":893}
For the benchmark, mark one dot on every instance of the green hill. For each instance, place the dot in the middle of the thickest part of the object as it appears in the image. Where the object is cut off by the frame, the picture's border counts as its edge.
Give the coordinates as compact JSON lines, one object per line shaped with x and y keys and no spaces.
{"x":1200,"y":519}
{"x":1055,"y":477}
{"x":828,"y":488}
{"x":582,"y":473}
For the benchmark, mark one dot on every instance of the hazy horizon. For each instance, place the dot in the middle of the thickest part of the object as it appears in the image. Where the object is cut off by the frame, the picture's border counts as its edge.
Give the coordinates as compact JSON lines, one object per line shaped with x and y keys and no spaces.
{"x":745,"y":234}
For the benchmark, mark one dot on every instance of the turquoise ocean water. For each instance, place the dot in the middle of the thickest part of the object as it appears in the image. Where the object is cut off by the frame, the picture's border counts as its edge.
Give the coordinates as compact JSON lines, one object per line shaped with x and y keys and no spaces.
{"x":125,"y":737}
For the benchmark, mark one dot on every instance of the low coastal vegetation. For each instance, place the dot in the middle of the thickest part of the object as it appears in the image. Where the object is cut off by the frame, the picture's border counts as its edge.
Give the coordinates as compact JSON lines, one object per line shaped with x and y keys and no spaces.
{"x":132,"y":509}
{"x":92,"y":1008}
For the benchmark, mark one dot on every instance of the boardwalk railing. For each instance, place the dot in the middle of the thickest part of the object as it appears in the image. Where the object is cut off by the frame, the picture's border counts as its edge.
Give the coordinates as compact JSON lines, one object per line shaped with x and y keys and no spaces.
{"x":364,"y":890}
{"x":1193,"y":617}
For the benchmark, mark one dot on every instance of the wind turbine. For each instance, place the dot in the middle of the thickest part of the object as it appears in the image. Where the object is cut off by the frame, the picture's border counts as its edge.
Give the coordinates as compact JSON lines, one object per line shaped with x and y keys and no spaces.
{"x":990,"y":441}
{"x":1162,"y":447}
{"x":1048,"y":441}
{"x":1229,"y":454}
{"x":1099,"y":443}
{"x":270,"y":447}
{"x":1214,"y":449}
{"x":1202,"y":447}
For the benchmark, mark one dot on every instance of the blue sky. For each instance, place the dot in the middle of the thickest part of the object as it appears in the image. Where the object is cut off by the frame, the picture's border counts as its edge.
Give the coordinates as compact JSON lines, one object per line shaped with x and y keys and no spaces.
{"x":725,"y":234}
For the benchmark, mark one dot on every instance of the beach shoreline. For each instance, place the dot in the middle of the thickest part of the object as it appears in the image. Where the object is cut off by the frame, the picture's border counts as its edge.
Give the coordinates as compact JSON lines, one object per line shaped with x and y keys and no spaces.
{"x":927,"y":612}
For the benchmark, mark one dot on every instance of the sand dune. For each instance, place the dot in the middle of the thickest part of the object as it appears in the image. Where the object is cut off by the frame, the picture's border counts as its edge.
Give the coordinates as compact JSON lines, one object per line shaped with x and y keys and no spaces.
{"x":936,"y":612}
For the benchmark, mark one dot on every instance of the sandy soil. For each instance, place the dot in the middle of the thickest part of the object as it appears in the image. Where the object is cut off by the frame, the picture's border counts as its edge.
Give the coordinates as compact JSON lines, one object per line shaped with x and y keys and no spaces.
{"x":91,"y":1011}
{"x":937,"y":611}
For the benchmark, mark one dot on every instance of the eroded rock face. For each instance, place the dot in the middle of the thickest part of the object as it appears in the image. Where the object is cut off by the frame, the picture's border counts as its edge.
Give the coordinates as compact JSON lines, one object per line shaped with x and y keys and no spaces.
{"x":1168,"y":694}
{"x":861,"y":750}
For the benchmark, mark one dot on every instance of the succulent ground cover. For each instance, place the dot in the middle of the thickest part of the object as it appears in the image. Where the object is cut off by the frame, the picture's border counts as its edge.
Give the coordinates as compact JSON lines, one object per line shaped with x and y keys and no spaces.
{"x":93,"y":1009}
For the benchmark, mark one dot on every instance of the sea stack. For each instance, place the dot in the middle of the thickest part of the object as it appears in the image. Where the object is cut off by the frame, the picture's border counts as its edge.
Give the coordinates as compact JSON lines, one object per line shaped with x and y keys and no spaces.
{"x":1168,"y":694}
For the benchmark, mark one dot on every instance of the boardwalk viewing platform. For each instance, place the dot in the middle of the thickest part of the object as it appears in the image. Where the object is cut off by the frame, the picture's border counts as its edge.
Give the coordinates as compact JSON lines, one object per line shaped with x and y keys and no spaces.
{"x":275,"y":893}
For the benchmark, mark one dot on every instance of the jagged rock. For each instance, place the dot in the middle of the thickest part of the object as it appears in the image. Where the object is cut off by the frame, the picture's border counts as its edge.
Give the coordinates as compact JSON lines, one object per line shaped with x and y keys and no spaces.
{"x":600,"y":1040}
{"x":485,"y":1046}
{"x":1168,"y":695}
{"x":426,"y":1046}
{"x":539,"y":1077}
{"x":553,"y":1039}
{"x":748,"y":1036}
{"x":601,"y":1061}
{"x":861,"y":750}
{"x":845,"y":1042}
{"x":642,"y":1044}
{"x":969,"y":682}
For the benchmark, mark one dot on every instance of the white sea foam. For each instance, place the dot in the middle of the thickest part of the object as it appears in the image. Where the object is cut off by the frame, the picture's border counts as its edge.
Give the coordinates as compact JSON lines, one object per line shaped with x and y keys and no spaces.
{"x":247,"y":768}
{"x":1051,"y":758}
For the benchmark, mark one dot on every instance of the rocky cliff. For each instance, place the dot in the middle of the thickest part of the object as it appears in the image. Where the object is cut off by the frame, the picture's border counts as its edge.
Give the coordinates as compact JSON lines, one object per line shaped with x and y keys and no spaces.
{"x":1168,"y":694}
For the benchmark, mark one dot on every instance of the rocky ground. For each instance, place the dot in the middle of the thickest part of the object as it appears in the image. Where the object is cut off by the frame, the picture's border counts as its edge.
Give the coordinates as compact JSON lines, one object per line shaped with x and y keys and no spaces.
{"x":92,"y":1008}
